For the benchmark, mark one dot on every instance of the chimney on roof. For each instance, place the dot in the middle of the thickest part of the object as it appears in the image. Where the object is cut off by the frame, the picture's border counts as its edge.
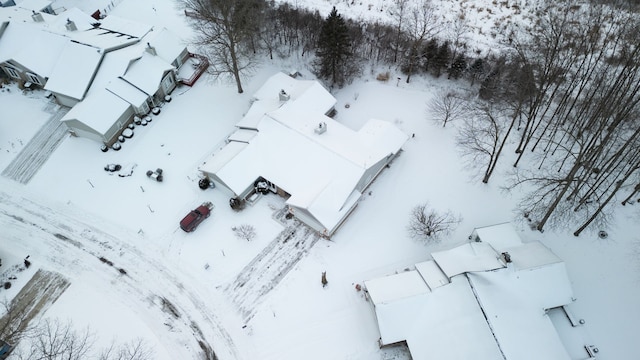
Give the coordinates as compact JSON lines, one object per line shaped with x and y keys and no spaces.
{"x":36,"y":16}
{"x":506,"y":257}
{"x":70,"y":25}
{"x":321,"y":128}
{"x":284,"y":96}
{"x":151,"y":50}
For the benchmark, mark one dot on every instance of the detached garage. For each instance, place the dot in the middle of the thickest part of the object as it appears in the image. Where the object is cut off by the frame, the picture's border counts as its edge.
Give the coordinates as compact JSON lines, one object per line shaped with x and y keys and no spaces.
{"x":101,"y":116}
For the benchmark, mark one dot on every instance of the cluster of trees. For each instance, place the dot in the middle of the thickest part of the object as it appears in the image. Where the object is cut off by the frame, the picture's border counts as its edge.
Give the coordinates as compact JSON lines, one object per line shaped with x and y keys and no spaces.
{"x":570,"y":89}
{"x":53,"y":339}
{"x":236,"y":33}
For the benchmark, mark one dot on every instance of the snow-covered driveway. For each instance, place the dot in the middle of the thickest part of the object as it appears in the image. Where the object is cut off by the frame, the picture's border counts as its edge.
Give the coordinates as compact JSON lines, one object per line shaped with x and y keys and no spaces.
{"x":38,"y":149}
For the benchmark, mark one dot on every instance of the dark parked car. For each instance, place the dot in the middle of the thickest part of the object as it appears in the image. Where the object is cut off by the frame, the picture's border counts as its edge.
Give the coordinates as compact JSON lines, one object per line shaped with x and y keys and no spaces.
{"x":196,"y":216}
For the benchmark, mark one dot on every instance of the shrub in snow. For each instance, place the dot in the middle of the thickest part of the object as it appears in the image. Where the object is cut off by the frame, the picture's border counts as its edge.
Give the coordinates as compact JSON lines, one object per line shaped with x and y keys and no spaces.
{"x":116,"y":146}
{"x":428,"y":224}
{"x":244,"y":231}
{"x":104,"y":148}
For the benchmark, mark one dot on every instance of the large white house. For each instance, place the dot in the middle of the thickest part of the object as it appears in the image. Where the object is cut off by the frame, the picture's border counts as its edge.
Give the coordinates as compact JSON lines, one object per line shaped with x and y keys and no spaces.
{"x":494,"y":298}
{"x":287,"y":140}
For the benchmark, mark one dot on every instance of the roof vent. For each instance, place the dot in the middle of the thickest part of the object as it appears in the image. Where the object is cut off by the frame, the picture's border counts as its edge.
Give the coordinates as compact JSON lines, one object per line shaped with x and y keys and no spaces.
{"x":151,"y":50}
{"x":37,"y":17}
{"x":70,"y":25}
{"x":321,"y":128}
{"x":284,"y":96}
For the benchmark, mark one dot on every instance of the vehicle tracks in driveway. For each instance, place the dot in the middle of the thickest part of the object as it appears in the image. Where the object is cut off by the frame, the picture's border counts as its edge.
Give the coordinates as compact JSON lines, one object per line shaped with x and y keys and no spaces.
{"x":270,"y":266}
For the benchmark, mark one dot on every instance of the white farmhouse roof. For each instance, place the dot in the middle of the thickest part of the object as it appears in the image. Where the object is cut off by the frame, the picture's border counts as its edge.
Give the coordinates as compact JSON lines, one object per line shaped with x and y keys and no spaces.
{"x":484,"y":312}
{"x":74,"y":70}
{"x":146,"y":73}
{"x":39,"y":54}
{"x":127,"y":92}
{"x":98,"y":111}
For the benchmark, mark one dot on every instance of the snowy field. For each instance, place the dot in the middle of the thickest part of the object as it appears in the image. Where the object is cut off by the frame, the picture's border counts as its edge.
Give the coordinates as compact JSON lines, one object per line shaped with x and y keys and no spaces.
{"x":176,"y":290}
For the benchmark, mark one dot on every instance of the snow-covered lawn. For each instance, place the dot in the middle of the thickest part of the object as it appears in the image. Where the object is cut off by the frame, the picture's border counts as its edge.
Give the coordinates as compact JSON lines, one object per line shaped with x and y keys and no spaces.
{"x":133,"y":222}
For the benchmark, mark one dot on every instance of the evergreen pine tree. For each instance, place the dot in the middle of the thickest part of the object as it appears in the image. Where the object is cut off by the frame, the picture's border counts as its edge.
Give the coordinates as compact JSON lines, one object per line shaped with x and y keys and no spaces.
{"x":458,"y":66}
{"x":334,"y":49}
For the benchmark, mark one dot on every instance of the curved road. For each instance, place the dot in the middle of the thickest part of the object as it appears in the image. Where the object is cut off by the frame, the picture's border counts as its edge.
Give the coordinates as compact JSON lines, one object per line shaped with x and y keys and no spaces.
{"x":73,"y":243}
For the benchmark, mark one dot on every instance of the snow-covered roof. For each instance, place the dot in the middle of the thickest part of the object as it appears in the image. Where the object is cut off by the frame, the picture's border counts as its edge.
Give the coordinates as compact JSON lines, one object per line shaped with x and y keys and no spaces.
{"x":98,"y":111}
{"x":469,"y":257}
{"x":319,"y":170}
{"x":39,"y":54}
{"x":146,"y":73}
{"x":500,"y":236}
{"x":510,"y":302}
{"x":515,"y":304}
{"x":391,"y":288}
{"x":166,"y":44}
{"x":432,"y":274}
{"x":242,"y":135}
{"x":74,"y":70}
{"x":127,"y":92}
{"x":461,"y":333}
{"x":125,"y":26}
{"x":34,"y":5}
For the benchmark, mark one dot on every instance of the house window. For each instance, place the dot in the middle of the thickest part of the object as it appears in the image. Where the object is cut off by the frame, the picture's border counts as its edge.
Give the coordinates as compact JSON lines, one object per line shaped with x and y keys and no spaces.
{"x":12,"y":72}
{"x":34,"y":78}
{"x":167,"y":82}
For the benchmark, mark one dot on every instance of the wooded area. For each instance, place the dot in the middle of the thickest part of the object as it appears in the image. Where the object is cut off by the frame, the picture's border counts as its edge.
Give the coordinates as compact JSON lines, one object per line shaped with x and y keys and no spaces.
{"x":565,"y":93}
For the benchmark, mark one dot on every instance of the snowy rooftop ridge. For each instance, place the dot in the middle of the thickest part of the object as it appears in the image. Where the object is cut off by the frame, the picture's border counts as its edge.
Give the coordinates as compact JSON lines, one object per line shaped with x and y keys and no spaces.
{"x":509,"y":299}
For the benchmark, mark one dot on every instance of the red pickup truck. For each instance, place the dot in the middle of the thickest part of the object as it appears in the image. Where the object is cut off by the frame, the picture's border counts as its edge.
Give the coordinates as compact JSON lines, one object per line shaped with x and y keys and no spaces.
{"x":196,"y":216}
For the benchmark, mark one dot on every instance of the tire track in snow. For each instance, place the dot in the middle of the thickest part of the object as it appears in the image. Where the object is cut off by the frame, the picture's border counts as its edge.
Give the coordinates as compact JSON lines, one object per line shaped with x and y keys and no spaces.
{"x":270,"y":266}
{"x":36,"y":152}
{"x":72,"y":244}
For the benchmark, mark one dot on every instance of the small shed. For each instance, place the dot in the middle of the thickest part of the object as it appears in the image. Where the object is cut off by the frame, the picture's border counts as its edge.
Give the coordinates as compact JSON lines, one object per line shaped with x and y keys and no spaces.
{"x":101,"y":116}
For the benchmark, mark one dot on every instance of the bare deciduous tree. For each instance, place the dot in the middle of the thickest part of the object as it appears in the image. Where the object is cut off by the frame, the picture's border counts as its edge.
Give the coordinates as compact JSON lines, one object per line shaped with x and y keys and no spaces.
{"x":227,"y":32}
{"x":484,"y":135}
{"x":244,"y":231}
{"x":428,"y":224}
{"x":420,"y":25}
{"x":134,"y":350}
{"x":447,"y":106}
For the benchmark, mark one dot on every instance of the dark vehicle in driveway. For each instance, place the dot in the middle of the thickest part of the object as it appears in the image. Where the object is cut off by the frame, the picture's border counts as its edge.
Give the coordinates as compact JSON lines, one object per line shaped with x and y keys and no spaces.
{"x":196,"y":216}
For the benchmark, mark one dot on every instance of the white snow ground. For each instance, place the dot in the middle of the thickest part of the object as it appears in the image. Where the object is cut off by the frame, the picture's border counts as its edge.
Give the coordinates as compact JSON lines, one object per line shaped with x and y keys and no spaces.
{"x":133,"y":222}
